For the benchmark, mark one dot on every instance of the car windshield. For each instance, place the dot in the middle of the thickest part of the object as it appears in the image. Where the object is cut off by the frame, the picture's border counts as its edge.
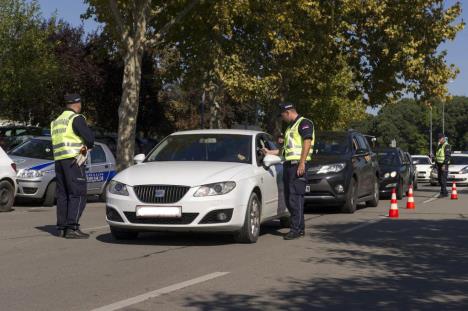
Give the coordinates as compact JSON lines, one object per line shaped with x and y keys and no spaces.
{"x":388,"y":158}
{"x":34,"y":148}
{"x":454,"y":160}
{"x":421,"y":160}
{"x":204,"y":147}
{"x":331,"y":145}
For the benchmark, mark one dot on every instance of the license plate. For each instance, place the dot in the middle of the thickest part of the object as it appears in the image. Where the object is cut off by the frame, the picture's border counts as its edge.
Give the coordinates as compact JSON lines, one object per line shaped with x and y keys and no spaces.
{"x":307,"y":188}
{"x":159,"y":211}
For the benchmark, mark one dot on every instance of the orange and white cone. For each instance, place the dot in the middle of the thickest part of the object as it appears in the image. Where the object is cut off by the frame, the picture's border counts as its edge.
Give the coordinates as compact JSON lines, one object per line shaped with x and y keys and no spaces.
{"x":393,"y":213}
{"x":454,"y":195}
{"x":410,"y":203}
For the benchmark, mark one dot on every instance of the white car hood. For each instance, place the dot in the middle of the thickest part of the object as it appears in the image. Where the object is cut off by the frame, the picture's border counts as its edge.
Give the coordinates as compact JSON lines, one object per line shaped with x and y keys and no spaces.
{"x":456,"y":168}
{"x":423,"y":167}
{"x":180,"y":173}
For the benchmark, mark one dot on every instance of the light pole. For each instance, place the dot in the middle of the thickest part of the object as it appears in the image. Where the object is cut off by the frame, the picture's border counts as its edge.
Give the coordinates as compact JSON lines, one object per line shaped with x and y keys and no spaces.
{"x":430,"y":130}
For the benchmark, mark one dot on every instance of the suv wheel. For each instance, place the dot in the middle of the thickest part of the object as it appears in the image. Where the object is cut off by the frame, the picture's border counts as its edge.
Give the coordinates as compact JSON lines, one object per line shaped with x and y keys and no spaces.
{"x":399,"y":192}
{"x":351,"y":198}
{"x":375,"y":196}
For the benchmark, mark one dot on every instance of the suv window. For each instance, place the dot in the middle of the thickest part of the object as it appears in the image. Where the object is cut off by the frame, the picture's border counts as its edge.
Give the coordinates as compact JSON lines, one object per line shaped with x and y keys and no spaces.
{"x":98,"y":155}
{"x":362,"y":142}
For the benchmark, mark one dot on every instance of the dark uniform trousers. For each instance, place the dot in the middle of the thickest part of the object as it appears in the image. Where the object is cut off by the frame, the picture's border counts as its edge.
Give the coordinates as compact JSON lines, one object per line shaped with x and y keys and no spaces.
{"x":71,"y":193}
{"x":294,"y":191}
{"x":442,"y":173}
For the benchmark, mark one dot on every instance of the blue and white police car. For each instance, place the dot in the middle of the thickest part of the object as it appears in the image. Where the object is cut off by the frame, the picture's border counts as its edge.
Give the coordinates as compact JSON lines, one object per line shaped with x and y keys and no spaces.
{"x":36,"y":170}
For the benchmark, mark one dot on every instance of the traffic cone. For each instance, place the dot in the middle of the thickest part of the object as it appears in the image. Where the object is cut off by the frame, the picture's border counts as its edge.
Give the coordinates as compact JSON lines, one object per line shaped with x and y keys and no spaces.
{"x":410,"y":203}
{"x":393,"y":213}
{"x":454,"y":195}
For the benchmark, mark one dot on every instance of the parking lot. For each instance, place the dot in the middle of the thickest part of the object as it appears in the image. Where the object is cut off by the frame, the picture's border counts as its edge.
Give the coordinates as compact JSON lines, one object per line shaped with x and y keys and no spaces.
{"x":358,"y":261}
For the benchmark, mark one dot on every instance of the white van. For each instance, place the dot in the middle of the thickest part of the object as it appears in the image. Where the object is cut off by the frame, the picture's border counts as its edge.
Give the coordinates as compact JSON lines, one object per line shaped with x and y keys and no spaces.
{"x":7,"y":182}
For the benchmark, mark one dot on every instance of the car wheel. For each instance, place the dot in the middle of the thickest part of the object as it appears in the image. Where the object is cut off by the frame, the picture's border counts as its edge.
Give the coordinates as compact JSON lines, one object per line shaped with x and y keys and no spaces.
{"x":375,"y":196}
{"x":351,"y":199}
{"x":399,"y":193}
{"x":285,"y":222}
{"x":415,"y":184}
{"x":7,"y":196}
{"x":251,"y":228}
{"x":121,"y":234}
{"x":103,"y":195}
{"x":49,"y":196}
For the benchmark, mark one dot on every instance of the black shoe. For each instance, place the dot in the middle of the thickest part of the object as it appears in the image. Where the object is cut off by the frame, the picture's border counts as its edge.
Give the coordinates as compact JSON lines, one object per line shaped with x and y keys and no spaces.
{"x":302,"y":233}
{"x":292,"y":235}
{"x":61,"y":233}
{"x":75,"y":234}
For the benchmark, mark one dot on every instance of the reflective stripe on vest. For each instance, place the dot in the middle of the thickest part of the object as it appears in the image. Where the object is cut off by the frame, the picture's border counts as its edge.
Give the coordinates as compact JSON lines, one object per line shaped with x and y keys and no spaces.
{"x":440,"y":153}
{"x":66,"y":144}
{"x":292,"y":149}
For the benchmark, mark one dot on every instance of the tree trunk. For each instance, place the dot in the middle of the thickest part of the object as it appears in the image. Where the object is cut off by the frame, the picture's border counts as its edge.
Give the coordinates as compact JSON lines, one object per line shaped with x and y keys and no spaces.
{"x":128,"y":109}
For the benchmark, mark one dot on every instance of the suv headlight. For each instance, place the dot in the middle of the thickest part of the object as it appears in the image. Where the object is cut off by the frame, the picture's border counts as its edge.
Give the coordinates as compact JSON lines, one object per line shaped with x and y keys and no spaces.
{"x":215,"y":189}
{"x":118,"y":188}
{"x":24,"y":173}
{"x":331,"y":168}
{"x":464,"y":170}
{"x":390,"y":174}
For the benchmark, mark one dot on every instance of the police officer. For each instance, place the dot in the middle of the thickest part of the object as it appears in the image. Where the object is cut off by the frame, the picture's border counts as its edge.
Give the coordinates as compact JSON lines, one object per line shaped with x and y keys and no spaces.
{"x":71,"y":137}
{"x":442,"y":160}
{"x":297,"y":151}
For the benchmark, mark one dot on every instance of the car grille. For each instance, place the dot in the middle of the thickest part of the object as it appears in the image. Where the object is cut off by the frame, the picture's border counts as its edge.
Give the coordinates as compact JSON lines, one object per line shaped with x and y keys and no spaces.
{"x":187,"y":218}
{"x":160,"y":193}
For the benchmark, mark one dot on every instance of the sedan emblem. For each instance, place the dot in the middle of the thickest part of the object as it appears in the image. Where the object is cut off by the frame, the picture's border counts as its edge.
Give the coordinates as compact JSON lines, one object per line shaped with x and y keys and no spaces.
{"x":160,"y":193}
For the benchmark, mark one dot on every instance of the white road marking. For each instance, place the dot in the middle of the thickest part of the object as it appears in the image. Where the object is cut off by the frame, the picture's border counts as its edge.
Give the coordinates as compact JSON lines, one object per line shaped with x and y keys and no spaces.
{"x":435,"y":197}
{"x":156,"y":293}
{"x":365,"y":224}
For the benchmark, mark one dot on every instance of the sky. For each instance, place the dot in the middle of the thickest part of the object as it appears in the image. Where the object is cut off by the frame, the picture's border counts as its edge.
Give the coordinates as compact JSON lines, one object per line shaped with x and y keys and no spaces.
{"x":70,"y":11}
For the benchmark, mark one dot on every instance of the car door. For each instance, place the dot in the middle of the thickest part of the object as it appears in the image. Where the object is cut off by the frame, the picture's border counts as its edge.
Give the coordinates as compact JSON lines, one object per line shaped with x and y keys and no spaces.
{"x":269,"y":178}
{"x":367,"y":180}
{"x":97,"y":170}
{"x":359,"y":167}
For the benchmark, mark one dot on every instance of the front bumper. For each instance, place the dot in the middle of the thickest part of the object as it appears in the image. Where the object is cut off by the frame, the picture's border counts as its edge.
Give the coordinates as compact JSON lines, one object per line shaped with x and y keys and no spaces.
{"x":322,"y":190}
{"x":386,"y":185}
{"x":195,"y":211}
{"x":31,"y":188}
{"x":424,"y":176}
{"x":459,"y":179}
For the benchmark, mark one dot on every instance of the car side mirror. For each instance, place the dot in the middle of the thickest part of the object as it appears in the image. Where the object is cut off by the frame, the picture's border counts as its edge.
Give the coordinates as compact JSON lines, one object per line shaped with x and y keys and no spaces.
{"x":139,"y":158}
{"x":270,"y":160}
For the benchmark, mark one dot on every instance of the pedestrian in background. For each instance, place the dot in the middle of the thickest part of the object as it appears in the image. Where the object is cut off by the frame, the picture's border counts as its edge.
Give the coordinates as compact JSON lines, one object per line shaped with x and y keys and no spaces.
{"x":297,"y":152}
{"x":71,"y":140}
{"x":442,"y":160}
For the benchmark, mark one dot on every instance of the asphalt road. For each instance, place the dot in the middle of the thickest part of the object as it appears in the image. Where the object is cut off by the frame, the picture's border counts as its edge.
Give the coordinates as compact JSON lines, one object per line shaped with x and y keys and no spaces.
{"x":362,"y":261}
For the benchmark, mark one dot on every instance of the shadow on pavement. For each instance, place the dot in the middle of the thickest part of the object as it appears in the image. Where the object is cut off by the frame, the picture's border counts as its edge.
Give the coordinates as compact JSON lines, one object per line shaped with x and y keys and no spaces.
{"x":51,"y":229}
{"x":410,"y":265}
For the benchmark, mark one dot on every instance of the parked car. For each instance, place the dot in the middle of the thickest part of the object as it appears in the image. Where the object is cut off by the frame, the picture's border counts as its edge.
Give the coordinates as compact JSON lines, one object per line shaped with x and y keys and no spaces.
{"x":343,"y":171}
{"x":458,"y":170}
{"x":395,"y":171}
{"x":413,"y":171}
{"x":423,"y":165}
{"x":12,"y":136}
{"x":205,"y":180}
{"x":36,"y":171}
{"x":7,"y":182}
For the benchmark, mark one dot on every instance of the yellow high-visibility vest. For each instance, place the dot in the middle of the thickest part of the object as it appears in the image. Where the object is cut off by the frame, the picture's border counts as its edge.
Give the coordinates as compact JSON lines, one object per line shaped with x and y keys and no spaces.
{"x":293,"y":143}
{"x":440,"y":153}
{"x":65,"y":142}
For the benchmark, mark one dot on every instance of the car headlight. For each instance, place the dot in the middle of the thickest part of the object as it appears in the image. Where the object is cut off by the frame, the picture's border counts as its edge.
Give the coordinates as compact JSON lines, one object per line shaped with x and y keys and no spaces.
{"x":390,"y":174}
{"x":118,"y":188}
{"x":215,"y":189}
{"x":331,"y":168}
{"x":464,"y":170}
{"x":24,"y":173}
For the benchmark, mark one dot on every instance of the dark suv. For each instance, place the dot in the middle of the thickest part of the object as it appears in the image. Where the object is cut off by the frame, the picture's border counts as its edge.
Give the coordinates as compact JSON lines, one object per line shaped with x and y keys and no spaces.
{"x":343,"y":171}
{"x":395,"y":171}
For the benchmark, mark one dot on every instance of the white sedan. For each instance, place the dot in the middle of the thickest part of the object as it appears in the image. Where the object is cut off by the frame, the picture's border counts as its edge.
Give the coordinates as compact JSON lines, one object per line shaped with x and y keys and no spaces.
{"x":205,"y":180}
{"x":423,"y":165}
{"x":458,"y":170}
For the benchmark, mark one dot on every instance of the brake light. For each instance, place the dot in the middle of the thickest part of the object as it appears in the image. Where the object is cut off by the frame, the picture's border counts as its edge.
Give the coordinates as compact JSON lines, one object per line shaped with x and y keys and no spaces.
{"x":13,"y":165}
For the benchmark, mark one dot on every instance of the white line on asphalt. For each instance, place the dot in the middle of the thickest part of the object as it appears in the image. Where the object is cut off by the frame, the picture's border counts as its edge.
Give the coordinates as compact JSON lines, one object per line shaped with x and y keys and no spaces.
{"x":435,"y":197}
{"x":165,"y":290}
{"x":365,"y":224}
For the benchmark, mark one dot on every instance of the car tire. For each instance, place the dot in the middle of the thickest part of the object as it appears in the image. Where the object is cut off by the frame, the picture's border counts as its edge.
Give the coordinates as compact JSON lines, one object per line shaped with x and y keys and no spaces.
{"x":351,"y":198}
{"x":415,"y":184}
{"x":375,"y":196}
{"x":103,"y":195}
{"x":285,"y":222}
{"x":49,"y":196}
{"x":7,"y":196}
{"x":399,"y":192}
{"x":122,"y":234}
{"x":251,"y":228}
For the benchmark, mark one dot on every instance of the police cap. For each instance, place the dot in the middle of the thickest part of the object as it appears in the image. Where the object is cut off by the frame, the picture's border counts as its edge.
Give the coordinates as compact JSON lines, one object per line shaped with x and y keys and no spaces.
{"x":72,"y":98}
{"x":286,"y":106}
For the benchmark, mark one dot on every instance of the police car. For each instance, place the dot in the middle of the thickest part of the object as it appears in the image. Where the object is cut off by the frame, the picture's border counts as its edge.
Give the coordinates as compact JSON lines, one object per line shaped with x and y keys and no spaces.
{"x":206,"y":180}
{"x":458,"y":170}
{"x":36,"y":170}
{"x":7,"y":182}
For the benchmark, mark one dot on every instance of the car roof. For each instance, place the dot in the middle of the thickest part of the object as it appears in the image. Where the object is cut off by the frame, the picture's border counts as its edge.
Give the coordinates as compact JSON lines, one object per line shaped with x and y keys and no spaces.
{"x":219,"y":131}
{"x":419,"y":156}
{"x":464,"y":155}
